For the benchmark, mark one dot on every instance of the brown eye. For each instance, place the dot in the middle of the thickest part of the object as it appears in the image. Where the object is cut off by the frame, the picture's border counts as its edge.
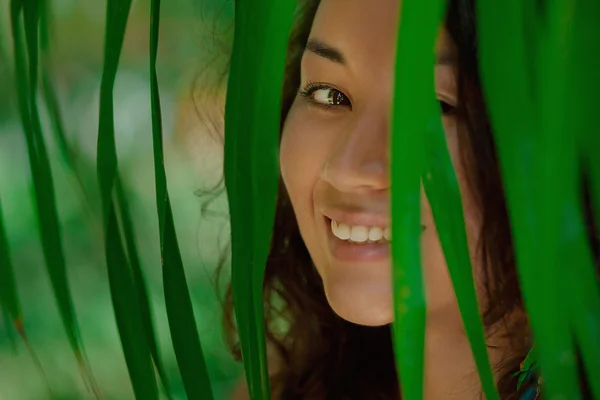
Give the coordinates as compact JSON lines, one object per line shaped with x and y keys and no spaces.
{"x":330,"y":97}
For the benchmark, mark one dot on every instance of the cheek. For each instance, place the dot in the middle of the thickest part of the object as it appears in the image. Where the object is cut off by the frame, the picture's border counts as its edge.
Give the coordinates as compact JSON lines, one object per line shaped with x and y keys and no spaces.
{"x":303,"y":152}
{"x":299,"y":165}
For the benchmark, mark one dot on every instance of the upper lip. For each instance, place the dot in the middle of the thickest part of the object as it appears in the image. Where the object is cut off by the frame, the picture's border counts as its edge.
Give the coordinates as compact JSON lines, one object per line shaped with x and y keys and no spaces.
{"x":357,"y":218}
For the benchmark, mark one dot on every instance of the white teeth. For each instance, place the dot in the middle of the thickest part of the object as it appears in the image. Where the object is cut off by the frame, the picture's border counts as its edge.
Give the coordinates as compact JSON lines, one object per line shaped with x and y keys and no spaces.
{"x":375,"y":233}
{"x":359,"y":233}
{"x":341,"y":231}
{"x":387,"y":233}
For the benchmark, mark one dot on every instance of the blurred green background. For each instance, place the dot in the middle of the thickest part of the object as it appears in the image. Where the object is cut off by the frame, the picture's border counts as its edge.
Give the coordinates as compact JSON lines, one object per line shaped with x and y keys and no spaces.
{"x":193,"y":49}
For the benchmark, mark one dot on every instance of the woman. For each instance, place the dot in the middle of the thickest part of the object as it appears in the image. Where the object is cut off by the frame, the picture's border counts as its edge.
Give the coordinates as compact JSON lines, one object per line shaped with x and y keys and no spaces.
{"x":328,"y":275}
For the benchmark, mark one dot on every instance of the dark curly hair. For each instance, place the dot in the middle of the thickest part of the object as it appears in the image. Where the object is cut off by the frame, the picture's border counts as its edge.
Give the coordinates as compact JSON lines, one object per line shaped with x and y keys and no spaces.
{"x":322,"y":354}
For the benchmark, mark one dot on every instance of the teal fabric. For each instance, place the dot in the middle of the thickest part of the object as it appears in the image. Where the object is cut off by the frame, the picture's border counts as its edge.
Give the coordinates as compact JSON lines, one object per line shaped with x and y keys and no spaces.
{"x":528,"y":378}
{"x":531,"y":382}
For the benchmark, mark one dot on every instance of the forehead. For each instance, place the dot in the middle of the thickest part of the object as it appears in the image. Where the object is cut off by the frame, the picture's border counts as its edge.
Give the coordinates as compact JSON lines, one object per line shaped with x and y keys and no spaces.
{"x":362,"y":29}
{"x":365,"y":32}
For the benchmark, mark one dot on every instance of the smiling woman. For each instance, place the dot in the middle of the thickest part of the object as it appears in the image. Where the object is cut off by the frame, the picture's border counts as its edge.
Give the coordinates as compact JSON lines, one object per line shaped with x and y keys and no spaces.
{"x":334,"y":159}
{"x":328,"y":275}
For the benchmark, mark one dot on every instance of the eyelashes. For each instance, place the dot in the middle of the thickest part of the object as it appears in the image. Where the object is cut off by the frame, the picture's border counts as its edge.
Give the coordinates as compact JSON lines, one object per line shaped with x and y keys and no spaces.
{"x":327,"y":96}
{"x":446,"y":108}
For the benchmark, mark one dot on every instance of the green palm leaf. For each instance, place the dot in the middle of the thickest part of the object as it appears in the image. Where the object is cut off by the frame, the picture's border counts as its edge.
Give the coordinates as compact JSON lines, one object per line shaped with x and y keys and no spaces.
{"x":443,"y":193}
{"x":137,"y":275}
{"x":576,"y":30}
{"x":251,"y":166}
{"x":410,"y":116}
{"x":123,"y":288}
{"x":184,"y":332}
{"x":539,"y":158}
{"x":515,"y":123}
{"x":45,"y":201}
{"x":80,"y":170}
{"x":9,"y":298}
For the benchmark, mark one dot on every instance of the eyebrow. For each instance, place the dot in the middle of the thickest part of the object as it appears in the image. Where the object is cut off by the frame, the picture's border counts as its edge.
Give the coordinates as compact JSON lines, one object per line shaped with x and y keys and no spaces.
{"x":331,"y":53}
{"x":322,"y":49}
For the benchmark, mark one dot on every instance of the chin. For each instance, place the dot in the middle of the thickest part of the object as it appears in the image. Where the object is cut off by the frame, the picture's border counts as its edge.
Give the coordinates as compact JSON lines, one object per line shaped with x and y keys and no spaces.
{"x":361,"y":303}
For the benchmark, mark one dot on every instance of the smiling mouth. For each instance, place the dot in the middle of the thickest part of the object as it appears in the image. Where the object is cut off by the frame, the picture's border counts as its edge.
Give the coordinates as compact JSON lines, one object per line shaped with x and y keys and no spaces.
{"x":360,"y":234}
{"x":358,"y":243}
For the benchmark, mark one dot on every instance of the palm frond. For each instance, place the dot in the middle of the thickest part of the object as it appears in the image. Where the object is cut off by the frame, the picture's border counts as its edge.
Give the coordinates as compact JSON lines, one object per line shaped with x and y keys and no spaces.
{"x":125,"y":294}
{"x":540,"y":162}
{"x":184,"y":332}
{"x":251,"y":166}
{"x":26,"y":72}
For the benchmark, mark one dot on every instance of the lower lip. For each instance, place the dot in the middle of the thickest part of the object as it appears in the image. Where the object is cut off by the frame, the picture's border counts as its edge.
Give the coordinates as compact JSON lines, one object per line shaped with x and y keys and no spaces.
{"x":352,"y":252}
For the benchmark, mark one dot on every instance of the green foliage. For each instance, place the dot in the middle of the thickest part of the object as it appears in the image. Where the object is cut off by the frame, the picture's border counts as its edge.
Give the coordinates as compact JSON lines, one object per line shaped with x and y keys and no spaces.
{"x":184,"y":332}
{"x":542,"y":187}
{"x":140,"y":284}
{"x":419,"y":151}
{"x":132,"y":299}
{"x":123,"y":287}
{"x":541,"y":134}
{"x":410,"y":115}
{"x":9,"y":298}
{"x":541,"y":87}
{"x":26,"y":67}
{"x":252,"y":168}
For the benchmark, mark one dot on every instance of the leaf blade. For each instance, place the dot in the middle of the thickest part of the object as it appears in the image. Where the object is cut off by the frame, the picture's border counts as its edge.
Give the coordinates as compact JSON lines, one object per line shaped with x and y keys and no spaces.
{"x":180,"y":312}
{"x":26,"y":71}
{"x":124,"y":293}
{"x":251,"y":167}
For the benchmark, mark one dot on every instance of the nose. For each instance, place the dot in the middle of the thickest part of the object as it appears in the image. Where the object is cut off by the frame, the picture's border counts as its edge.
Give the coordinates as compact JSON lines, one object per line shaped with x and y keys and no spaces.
{"x":360,"y":161}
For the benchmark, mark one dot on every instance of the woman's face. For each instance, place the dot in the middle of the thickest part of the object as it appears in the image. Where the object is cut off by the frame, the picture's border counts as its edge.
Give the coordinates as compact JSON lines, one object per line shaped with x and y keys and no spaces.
{"x":335,"y":158}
